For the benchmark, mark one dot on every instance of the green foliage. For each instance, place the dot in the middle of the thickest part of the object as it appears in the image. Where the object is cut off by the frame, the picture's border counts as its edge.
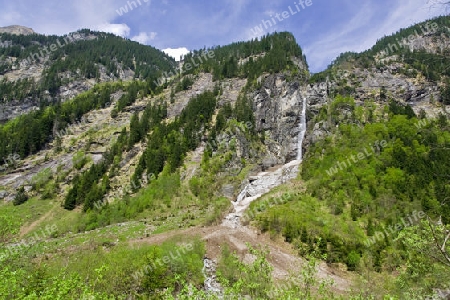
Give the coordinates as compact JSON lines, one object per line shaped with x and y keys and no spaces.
{"x":185,"y":84}
{"x":82,"y":58}
{"x":401,"y":170}
{"x":79,"y":159}
{"x":87,"y":188}
{"x":168,"y":264}
{"x":169,"y":143}
{"x":195,"y":186}
{"x":243,"y":112}
{"x":21,"y":197}
{"x":445,"y":94}
{"x":272,"y":53}
{"x":17,"y":90}
{"x":428,"y":260}
{"x":433,"y":66}
{"x":253,"y":279}
{"x":42,"y":178}
{"x":19,"y":284}
{"x":342,"y":110}
{"x":129,"y":98}
{"x":117,"y":273}
{"x":159,"y":192}
{"x":237,"y":121}
{"x":135,"y":131}
{"x":306,"y":284}
{"x":30,"y":133}
{"x":399,"y":109}
{"x":8,"y":227}
{"x":302,"y":221}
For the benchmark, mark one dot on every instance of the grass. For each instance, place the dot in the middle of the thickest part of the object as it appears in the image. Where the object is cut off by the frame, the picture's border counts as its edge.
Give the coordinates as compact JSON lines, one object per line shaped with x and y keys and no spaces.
{"x":104,"y":266}
{"x":23,"y":214}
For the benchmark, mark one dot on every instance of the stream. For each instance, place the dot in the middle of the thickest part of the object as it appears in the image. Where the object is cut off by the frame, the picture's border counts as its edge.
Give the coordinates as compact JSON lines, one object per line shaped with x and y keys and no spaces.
{"x":259,"y":185}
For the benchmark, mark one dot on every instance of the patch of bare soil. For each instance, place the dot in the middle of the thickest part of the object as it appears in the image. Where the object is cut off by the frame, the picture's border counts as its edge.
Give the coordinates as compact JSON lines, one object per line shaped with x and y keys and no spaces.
{"x":28,"y":228}
{"x":281,"y":254}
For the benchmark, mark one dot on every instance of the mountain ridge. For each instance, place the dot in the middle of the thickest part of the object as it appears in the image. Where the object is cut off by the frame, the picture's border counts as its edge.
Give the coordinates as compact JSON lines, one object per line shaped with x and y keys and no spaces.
{"x":136,"y":168}
{"x":17,"y":29}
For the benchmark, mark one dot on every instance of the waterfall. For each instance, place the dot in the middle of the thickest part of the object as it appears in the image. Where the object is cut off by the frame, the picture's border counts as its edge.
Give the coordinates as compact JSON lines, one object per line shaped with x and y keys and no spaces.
{"x":266,"y":181}
{"x":301,"y":135}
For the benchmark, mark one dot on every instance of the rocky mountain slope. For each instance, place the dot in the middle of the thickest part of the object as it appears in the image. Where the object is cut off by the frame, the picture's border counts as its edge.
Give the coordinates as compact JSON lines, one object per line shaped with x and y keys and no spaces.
{"x":37,"y":69}
{"x":17,"y":29}
{"x":115,"y":152}
{"x":397,"y":67}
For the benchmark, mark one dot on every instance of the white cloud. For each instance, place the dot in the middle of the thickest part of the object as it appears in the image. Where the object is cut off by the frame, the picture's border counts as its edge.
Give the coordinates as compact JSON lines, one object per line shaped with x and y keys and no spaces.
{"x":144,"y":38}
{"x":118,"y":29}
{"x":177,"y":52}
{"x":270,"y":13}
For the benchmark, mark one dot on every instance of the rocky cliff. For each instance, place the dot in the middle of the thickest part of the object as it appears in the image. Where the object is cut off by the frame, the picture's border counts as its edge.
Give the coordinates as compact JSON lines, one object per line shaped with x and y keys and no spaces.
{"x":276,"y":100}
{"x":17,"y":29}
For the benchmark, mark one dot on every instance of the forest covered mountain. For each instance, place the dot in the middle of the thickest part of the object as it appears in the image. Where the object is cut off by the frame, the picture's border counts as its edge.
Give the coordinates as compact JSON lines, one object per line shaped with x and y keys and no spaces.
{"x":232,"y":174}
{"x":37,"y":70}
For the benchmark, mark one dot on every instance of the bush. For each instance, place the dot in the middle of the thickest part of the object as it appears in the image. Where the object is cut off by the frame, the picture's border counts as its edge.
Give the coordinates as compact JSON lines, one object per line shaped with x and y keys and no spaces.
{"x":21,"y":197}
{"x":170,"y":262}
{"x":445,"y":95}
{"x":79,"y":160}
{"x":184,"y":84}
{"x":353,"y":259}
{"x":42,"y":178}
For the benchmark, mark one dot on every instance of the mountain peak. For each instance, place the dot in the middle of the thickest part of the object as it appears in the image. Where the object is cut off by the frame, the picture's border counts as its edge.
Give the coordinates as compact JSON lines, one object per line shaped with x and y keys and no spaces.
{"x":17,"y":29}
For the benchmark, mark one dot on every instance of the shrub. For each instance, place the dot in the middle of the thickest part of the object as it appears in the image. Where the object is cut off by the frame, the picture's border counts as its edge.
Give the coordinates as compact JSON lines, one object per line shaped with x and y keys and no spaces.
{"x":21,"y":197}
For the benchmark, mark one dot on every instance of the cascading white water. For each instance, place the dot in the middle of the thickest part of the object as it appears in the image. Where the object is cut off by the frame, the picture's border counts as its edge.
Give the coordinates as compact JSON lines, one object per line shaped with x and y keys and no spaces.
{"x":264,"y":183}
{"x":212,"y":286}
{"x":302,"y":133}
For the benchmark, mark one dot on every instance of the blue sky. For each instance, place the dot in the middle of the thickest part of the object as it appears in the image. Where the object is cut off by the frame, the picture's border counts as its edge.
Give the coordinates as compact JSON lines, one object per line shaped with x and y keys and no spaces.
{"x":324,"y":29}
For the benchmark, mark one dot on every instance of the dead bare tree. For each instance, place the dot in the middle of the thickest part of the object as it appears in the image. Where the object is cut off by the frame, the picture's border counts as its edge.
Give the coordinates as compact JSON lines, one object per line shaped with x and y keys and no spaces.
{"x":440,"y":239}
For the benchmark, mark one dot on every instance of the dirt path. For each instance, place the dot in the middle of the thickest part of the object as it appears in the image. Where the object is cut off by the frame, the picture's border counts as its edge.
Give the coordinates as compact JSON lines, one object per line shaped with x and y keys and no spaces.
{"x":238,"y":237}
{"x":281,"y":255}
{"x":28,"y":228}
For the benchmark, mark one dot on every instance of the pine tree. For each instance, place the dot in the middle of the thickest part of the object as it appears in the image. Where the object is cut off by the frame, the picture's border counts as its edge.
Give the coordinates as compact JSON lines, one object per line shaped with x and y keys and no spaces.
{"x":135,"y":131}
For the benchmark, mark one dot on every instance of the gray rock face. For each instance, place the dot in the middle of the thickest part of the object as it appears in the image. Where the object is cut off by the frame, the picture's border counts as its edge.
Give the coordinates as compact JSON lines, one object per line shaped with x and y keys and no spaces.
{"x":14,"y":109}
{"x":277,"y":108}
{"x":396,"y":85}
{"x":202,"y":84}
{"x":3,"y":194}
{"x":389,"y":79}
{"x":17,"y":29}
{"x":374,"y":84}
{"x":368,"y":85}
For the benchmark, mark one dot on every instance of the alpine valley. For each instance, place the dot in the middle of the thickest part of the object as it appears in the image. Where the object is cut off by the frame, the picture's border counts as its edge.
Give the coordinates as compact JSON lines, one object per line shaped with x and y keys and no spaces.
{"x":233,"y":174}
